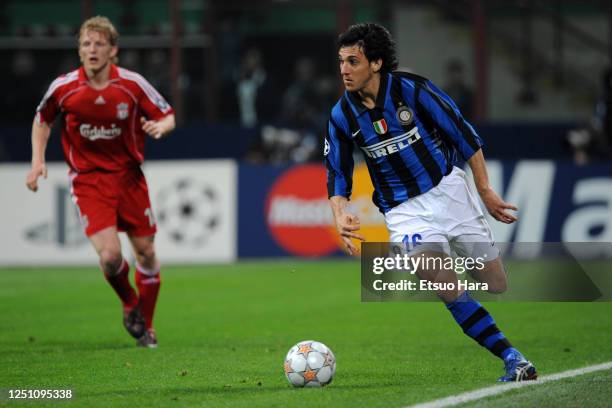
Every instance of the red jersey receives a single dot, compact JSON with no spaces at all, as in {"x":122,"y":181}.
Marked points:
{"x":101,"y":129}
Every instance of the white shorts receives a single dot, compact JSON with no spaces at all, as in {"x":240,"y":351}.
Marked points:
{"x":447,"y":216}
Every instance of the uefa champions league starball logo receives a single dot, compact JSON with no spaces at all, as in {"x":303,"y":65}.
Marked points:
{"x":189,"y":211}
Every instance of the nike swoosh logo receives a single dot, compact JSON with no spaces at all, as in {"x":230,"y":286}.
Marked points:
{"x":356,"y":133}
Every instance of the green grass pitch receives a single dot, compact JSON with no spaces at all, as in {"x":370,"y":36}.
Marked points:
{"x":224,"y":331}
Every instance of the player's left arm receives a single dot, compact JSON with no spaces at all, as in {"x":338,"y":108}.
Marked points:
{"x":443,"y":111}
{"x":495,"y":205}
{"x":158,"y":116}
{"x":158,"y":128}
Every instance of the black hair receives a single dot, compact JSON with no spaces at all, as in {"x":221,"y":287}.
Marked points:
{"x":375,"y":41}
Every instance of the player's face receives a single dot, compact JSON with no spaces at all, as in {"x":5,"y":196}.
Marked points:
{"x":355,"y":69}
{"x":95,"y":50}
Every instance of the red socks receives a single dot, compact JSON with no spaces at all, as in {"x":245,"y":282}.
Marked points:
{"x":148,"y":287}
{"x":148,"y":283}
{"x":121,"y":285}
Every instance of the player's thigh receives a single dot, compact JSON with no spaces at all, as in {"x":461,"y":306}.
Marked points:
{"x":462,"y":218}
{"x":107,"y":245}
{"x":144,"y":249}
{"x":411,"y":224}
{"x":96,"y":203}
{"x":437,"y":267}
{"x":457,"y":203}
{"x":415,"y":231}
{"x":135,"y":214}
{"x":433,"y":265}
{"x":417,"y":237}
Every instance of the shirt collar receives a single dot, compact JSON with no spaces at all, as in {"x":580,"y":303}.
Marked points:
{"x":113,"y":75}
{"x":380,"y":98}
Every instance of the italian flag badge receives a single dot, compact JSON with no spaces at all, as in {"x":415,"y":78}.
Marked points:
{"x":380,"y":126}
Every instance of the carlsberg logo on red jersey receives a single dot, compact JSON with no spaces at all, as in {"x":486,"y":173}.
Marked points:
{"x":99,"y":132}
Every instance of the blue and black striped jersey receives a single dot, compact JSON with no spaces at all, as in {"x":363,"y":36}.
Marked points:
{"x":409,"y":139}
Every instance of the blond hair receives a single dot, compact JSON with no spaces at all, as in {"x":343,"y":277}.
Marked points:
{"x":102,"y":25}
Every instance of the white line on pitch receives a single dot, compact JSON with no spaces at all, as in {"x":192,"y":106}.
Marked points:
{"x":499,"y":389}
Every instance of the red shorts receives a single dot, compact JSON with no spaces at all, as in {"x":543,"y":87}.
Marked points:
{"x":109,"y":199}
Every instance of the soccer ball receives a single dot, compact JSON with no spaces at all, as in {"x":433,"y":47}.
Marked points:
{"x":310,"y":364}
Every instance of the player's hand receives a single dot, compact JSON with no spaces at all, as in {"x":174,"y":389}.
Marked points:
{"x":497,"y":207}
{"x":152,"y":128}
{"x":347,"y":224}
{"x":37,"y":170}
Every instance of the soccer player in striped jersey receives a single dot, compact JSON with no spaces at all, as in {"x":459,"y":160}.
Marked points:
{"x":410,"y":133}
{"x":106,"y":111}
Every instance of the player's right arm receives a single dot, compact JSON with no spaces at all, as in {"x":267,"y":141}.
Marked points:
{"x":339,"y":162}
{"x":347,"y":223}
{"x":41,"y":129}
{"x":40,"y":136}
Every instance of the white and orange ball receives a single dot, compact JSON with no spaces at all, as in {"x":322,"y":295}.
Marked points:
{"x":310,"y":364}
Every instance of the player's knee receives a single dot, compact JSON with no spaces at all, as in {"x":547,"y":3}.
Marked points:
{"x":110,"y":260}
{"x":145,"y":255}
{"x":494,"y":274}
{"x":498,"y":285}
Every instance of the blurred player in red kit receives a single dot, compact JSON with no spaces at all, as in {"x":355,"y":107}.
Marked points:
{"x":106,"y":111}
